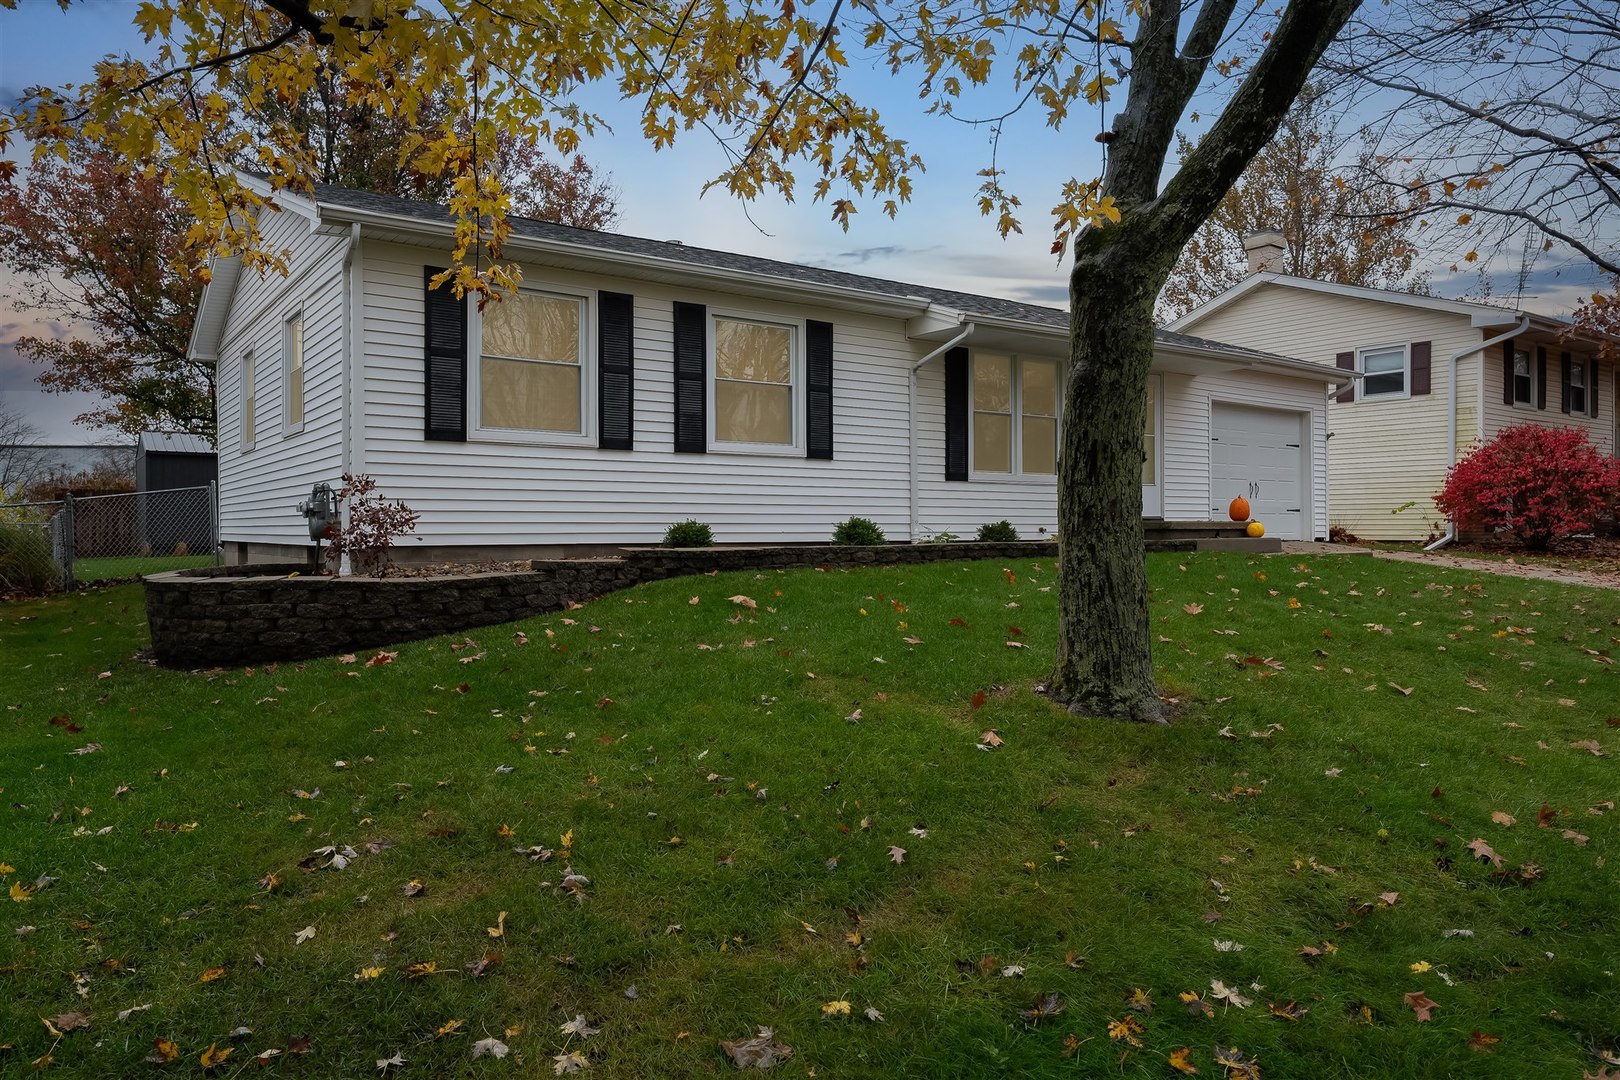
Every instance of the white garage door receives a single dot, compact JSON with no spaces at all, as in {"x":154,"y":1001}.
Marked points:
{"x":1259,"y":454}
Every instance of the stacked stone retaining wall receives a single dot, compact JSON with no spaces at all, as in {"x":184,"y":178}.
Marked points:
{"x":229,"y":616}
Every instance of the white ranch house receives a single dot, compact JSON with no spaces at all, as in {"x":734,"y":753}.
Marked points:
{"x":633,"y":383}
{"x":1434,"y":377}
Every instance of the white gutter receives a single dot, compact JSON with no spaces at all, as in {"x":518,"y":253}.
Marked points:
{"x":911,"y":416}
{"x":1451,"y":411}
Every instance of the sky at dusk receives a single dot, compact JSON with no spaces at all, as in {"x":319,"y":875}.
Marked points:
{"x":938,"y":239}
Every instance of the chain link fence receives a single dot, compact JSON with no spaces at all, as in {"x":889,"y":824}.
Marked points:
{"x":107,"y":537}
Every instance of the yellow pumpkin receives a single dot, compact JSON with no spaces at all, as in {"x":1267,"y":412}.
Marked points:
{"x":1255,"y":529}
{"x":1239,"y":509}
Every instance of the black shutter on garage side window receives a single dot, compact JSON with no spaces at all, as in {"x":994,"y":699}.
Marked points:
{"x":691,"y":377}
{"x":1563,"y":364}
{"x":1593,"y":382}
{"x":1347,"y":361}
{"x":1541,"y":377}
{"x":818,"y":398}
{"x":956,"y":414}
{"x":444,"y":372}
{"x":1507,"y":372}
{"x":1422,"y":352}
{"x":616,"y":374}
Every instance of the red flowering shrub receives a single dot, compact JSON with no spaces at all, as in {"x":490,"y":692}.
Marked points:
{"x":1540,"y":483}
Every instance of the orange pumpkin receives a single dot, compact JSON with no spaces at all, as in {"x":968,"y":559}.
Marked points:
{"x":1255,"y":529}
{"x":1239,"y":509}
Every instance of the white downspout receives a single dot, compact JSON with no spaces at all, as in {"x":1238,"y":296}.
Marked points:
{"x":911,"y":417}
{"x":352,"y":384}
{"x":1451,"y":411}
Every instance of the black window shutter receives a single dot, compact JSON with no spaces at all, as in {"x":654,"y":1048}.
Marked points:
{"x":956,"y":414}
{"x":616,"y":370}
{"x":818,"y":398}
{"x":1541,"y":377}
{"x":1421,"y":365}
{"x":1563,"y":380}
{"x":691,"y":378}
{"x":1507,"y":372}
{"x":1347,"y":361}
{"x":1593,"y":382}
{"x":444,"y":372}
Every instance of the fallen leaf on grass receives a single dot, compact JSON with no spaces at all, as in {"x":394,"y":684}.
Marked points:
{"x":989,"y":740}
{"x":125,"y":1014}
{"x":1178,"y":1061}
{"x":366,"y":973}
{"x":1505,"y":820}
{"x":1221,"y":992}
{"x":1390,"y":898}
{"x":1140,"y":1000}
{"x":1291,"y":1011}
{"x":1479,"y":1040}
{"x":1192,"y":609}
{"x":1196,"y":1006}
{"x":579,"y":1026}
{"x":421,"y":969}
{"x":873,"y":1015}
{"x":1589,"y":745}
{"x":499,"y":929}
{"x":413,"y":888}
{"x":66,"y":1022}
{"x":835,"y":1009}
{"x":303,"y":935}
{"x":744,"y":602}
{"x":211,"y":974}
{"x":1483,"y":851}
{"x":1047,"y":1005}
{"x":491,"y":1046}
{"x":1421,"y":1005}
{"x":395,"y":1062}
{"x":1239,"y":1066}
{"x":1125,"y":1030}
{"x":164,"y":1051}
{"x":897,"y":855}
{"x":212,"y":1058}
{"x":1545,"y":816}
{"x":381,"y":658}
{"x":760,"y":1052}
{"x":1579,"y":840}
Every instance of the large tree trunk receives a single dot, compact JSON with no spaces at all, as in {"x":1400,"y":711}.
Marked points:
{"x":1104,"y":660}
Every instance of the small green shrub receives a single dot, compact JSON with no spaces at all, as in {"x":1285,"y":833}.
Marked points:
{"x":857,"y":530}
{"x":1000,"y":532}
{"x":26,"y":565}
{"x":686,"y":534}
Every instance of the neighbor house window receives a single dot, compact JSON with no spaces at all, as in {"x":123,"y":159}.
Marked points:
{"x":530,"y":372}
{"x":1577,"y":387}
{"x":754,"y":365}
{"x":1015,"y":410}
{"x":249,"y":400}
{"x":1523,"y":382}
{"x":1386,"y":371}
{"x":292,"y":373}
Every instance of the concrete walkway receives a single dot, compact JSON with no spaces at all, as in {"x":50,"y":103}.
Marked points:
{"x":1584,"y":578}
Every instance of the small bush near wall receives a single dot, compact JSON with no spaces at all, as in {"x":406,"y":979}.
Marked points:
{"x":688,"y":534}
{"x":1000,"y":531}
{"x":1540,"y":483}
{"x":857,"y":530}
{"x":26,"y":565}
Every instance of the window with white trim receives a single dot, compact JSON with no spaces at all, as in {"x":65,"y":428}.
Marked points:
{"x":1578,"y":398}
{"x":1524,"y":383}
{"x":249,"y":402}
{"x":756,"y":384}
{"x":1015,"y":415}
{"x":532,"y":377}
{"x":1388,"y":371}
{"x":292,"y":373}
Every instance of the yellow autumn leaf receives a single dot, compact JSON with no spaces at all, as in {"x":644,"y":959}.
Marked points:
{"x":1179,"y":1062}
{"x":6,"y":868}
{"x":367,"y":973}
{"x":212,"y":1058}
{"x":1422,"y":966}
{"x":211,"y":974}
{"x":450,"y":1027}
{"x":1125,"y":1030}
{"x":164,"y":1051}
{"x":21,"y":893}
{"x":835,"y":1008}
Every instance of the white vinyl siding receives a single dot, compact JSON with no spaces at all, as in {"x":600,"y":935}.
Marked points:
{"x":259,"y":489}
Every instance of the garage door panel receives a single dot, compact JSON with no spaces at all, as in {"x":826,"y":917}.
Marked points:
{"x":1258,"y":454}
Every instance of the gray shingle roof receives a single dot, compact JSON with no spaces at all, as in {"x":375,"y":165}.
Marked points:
{"x":969,"y":304}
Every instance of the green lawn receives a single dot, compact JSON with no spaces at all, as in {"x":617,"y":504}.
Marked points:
{"x":734,"y":782}
{"x":119,"y":567}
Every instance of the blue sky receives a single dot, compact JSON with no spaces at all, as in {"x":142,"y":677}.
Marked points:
{"x":938,"y":239}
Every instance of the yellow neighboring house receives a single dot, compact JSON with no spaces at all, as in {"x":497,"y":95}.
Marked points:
{"x":1434,"y":377}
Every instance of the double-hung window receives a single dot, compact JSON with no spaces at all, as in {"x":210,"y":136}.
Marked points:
{"x":1577,"y":387}
{"x":1524,"y":383}
{"x":531,"y":368}
{"x":1015,"y":411}
{"x":292,"y":374}
{"x":755,"y":383}
{"x":249,"y":402}
{"x":1387,"y":370}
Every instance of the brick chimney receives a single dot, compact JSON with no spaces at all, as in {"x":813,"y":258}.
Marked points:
{"x":1265,"y":249}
